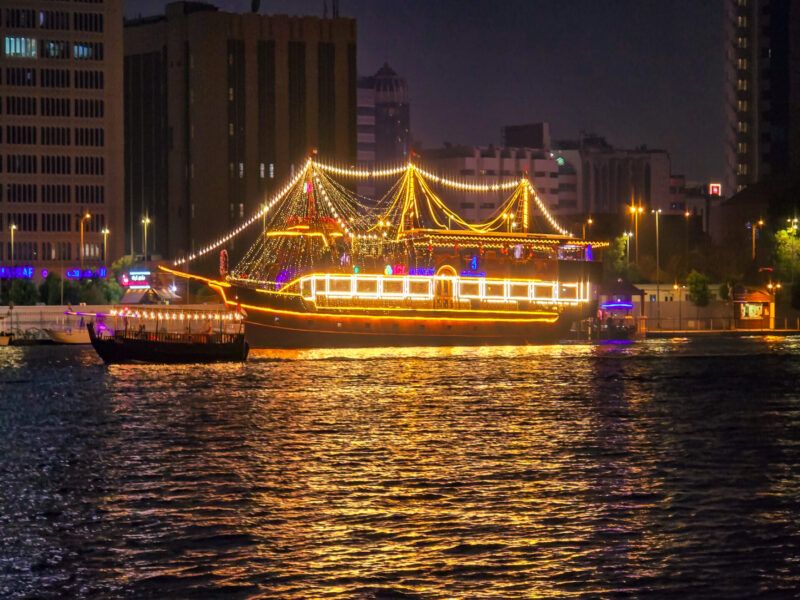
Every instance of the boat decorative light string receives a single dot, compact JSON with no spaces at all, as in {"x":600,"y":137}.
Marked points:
{"x":312,"y":195}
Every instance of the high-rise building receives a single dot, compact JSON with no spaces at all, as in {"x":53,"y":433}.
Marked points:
{"x":61,"y":128}
{"x":221,"y":109}
{"x":384,"y":123}
{"x":763,"y":91}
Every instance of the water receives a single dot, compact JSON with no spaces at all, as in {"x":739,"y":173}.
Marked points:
{"x":667,"y":468}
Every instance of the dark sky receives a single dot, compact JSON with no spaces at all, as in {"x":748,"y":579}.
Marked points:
{"x":636,"y":71}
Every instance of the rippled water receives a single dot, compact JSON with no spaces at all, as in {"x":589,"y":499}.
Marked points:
{"x":667,"y":467}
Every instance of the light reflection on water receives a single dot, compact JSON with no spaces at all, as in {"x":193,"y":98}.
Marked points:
{"x":559,"y":471}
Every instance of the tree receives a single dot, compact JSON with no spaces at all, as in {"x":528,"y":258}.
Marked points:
{"x":50,"y":289}
{"x":725,"y":291}
{"x":787,"y":253}
{"x":697,"y":284}
{"x":794,"y":297}
{"x":614,"y":259}
{"x":23,"y":293}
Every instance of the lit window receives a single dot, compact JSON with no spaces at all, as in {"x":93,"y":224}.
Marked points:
{"x":87,"y":50}
{"x":741,"y":63}
{"x":241,"y":170}
{"x":20,"y":47}
{"x":241,"y":211}
{"x":261,"y":170}
{"x":741,"y":147}
{"x":53,"y":49}
{"x":742,"y":126}
{"x":741,"y":85}
{"x":741,"y":21}
{"x":230,"y":128}
{"x":741,"y":105}
{"x":742,"y":42}
{"x":272,"y":170}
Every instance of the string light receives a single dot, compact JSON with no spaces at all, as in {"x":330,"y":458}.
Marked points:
{"x":361,"y":173}
{"x":264,"y":210}
{"x":469,"y":187}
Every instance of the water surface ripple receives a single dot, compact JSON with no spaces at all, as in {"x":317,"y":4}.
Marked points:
{"x":667,"y":468}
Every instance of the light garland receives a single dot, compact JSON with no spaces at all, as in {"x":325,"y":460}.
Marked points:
{"x":232,"y":234}
{"x":361,"y":173}
{"x":550,"y":219}
{"x":467,"y":187}
{"x":411,"y":173}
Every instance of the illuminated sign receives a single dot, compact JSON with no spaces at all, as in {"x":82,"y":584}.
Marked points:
{"x":16,"y":272}
{"x":715,"y":189}
{"x":85,"y":274}
{"x":27,"y":272}
{"x":136,"y":280}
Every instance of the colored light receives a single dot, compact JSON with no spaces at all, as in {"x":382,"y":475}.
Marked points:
{"x":616,"y":305}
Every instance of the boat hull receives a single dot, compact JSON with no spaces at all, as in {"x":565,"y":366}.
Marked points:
{"x":124,"y":350}
{"x":72,"y":336}
{"x":279,"y":323}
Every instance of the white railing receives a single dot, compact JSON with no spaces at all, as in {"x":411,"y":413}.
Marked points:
{"x":415,"y":288}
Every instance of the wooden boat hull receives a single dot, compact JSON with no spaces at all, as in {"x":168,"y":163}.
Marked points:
{"x":5,"y":340}
{"x":116,"y":350}
{"x":279,"y":323}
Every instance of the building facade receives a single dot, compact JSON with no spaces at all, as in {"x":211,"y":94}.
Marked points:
{"x":384,"y":124}
{"x":221,"y":109}
{"x":62,"y":136}
{"x":574,"y":179}
{"x":762,"y":91}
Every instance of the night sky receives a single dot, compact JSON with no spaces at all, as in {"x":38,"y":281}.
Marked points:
{"x":636,"y":71}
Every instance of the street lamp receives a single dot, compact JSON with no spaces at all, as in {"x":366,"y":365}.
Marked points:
{"x":145,"y":223}
{"x":105,"y":233}
{"x":753,"y":228}
{"x":635,"y":212}
{"x":587,"y":222}
{"x":628,"y":235}
{"x":686,"y":215}
{"x":679,"y":289}
{"x":657,"y":213}
{"x":84,"y":218}
{"x":13,"y":228}
{"x":793,"y":227}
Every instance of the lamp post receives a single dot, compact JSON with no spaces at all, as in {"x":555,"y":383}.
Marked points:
{"x":13,"y":228}
{"x":635,"y":212}
{"x":84,"y":218}
{"x":105,"y":233}
{"x":793,"y":227}
{"x":657,"y":213}
{"x":679,"y":289}
{"x":585,"y":223}
{"x":759,"y":223}
{"x":145,"y":223}
{"x":686,"y":216}
{"x":628,"y":235}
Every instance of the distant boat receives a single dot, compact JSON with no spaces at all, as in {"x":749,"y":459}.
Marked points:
{"x":5,"y":339}
{"x":139,"y":345}
{"x":70,"y":334}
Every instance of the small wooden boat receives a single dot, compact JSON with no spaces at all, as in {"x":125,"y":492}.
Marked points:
{"x":163,"y":347}
{"x":5,"y":339}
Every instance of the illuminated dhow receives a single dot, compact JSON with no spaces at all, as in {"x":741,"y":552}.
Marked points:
{"x":333,"y":269}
